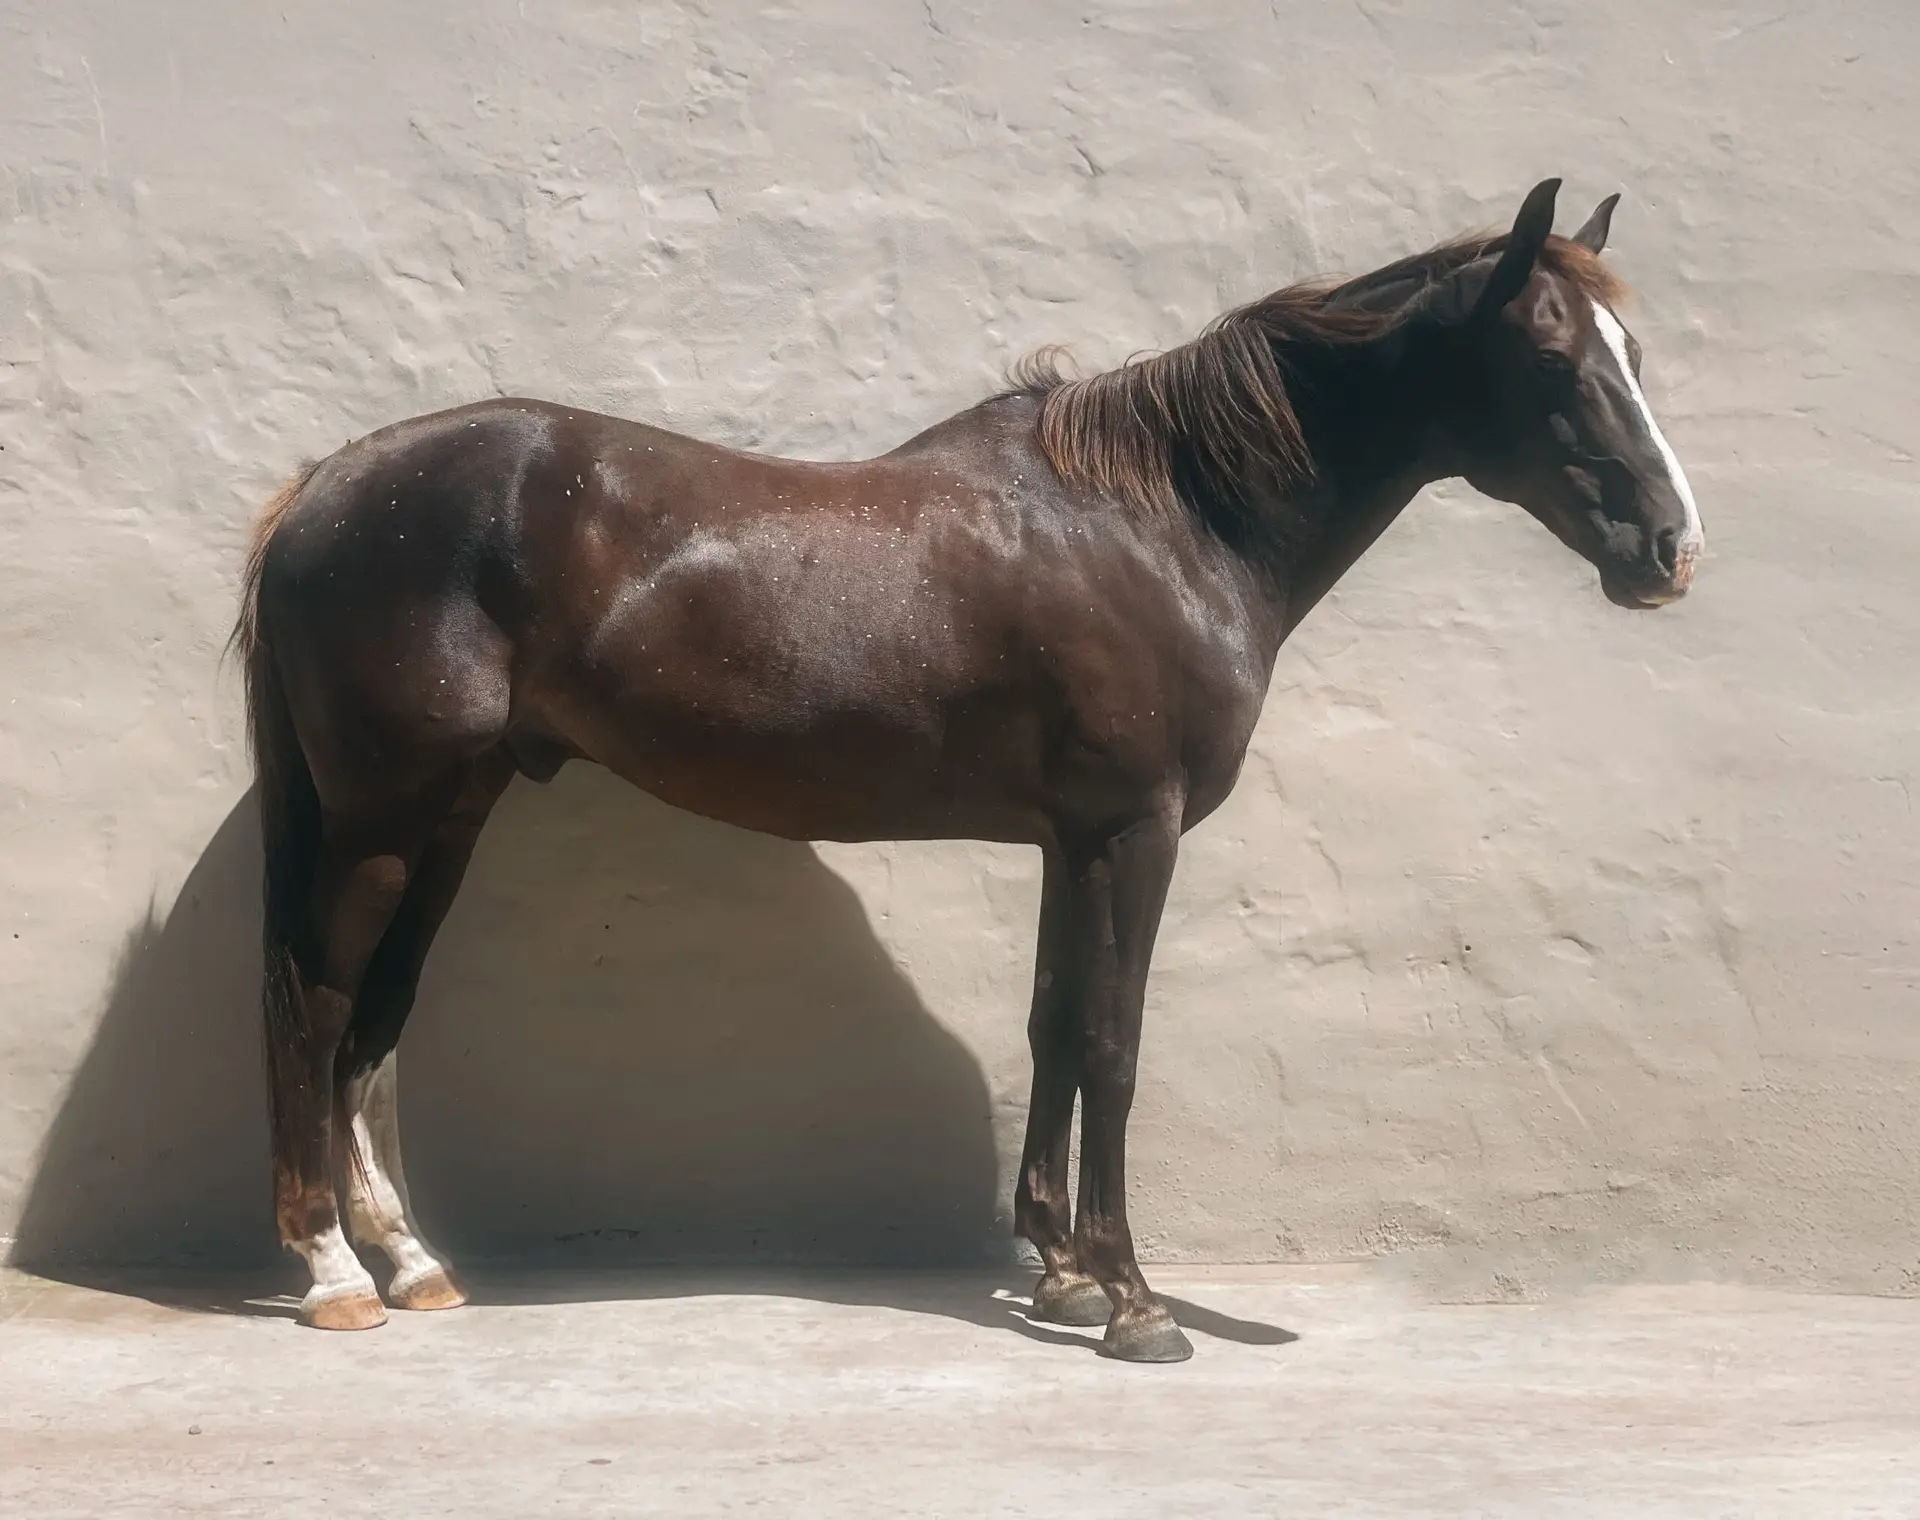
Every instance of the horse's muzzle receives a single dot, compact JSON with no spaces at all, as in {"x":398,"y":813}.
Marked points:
{"x":1660,"y":582}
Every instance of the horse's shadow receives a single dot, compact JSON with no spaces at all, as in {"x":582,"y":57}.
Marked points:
{"x":641,"y":1037}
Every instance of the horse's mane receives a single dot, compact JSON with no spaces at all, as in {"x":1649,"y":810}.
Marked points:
{"x":1214,"y":412}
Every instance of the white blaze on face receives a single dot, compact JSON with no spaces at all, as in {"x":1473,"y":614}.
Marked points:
{"x":1694,"y":539}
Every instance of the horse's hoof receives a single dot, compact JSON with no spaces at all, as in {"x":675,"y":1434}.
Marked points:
{"x":1145,"y":1335}
{"x":1071,"y":1301}
{"x":431,"y":1289}
{"x":354,"y":1309}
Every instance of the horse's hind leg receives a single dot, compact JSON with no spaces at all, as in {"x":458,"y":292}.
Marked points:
{"x":377,"y":1206}
{"x":359,"y":884}
{"x":1043,"y":1206}
{"x":366,"y":1066}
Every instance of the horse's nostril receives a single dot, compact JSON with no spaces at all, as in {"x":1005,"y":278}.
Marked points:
{"x":1666,"y":549}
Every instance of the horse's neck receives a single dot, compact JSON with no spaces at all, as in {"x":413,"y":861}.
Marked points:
{"x":1357,"y":518}
{"x":1376,"y":454}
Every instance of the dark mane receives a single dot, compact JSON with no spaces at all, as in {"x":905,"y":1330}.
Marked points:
{"x":1212,"y":413}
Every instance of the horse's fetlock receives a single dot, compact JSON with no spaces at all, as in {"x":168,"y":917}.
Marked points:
{"x":302,"y":1208}
{"x":1042,"y":1221}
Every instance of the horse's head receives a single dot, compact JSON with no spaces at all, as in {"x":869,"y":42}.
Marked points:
{"x":1546,"y":409}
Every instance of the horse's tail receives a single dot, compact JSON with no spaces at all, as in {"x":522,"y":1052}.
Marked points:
{"x":290,"y":833}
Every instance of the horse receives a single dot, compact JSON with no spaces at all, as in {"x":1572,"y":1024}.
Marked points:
{"x":1050,"y":619}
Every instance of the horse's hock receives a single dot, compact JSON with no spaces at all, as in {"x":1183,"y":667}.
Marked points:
{"x":1538,"y":943}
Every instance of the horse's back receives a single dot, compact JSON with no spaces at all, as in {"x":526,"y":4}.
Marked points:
{"x":816,"y":650}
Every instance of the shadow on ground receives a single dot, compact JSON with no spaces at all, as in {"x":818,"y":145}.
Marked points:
{"x":996,"y":1298}
{"x":642,"y":1037}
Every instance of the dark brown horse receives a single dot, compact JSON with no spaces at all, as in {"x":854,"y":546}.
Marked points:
{"x":1050,"y":620}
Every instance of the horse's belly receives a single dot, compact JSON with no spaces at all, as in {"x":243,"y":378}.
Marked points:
{"x":853,"y":757}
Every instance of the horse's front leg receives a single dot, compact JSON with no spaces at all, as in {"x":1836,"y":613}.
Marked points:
{"x":1043,"y":1202}
{"x":1117,"y":890}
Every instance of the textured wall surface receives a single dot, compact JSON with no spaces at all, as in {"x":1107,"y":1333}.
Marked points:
{"x":1540,"y":942}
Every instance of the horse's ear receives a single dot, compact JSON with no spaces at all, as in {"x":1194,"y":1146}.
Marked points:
{"x":1593,"y":236}
{"x":1476,"y":293}
{"x":1530,"y":230}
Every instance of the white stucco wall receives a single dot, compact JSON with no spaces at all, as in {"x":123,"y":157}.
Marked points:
{"x":1540,"y":940}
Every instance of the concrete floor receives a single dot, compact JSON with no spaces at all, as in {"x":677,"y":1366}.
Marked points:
{"x":1312,"y":1393}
